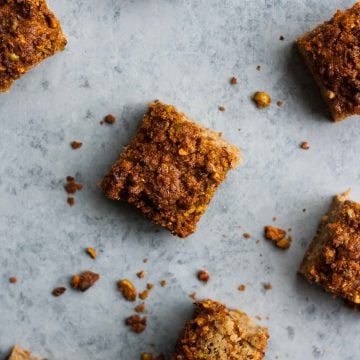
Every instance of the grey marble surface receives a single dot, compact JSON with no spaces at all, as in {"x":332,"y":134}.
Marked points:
{"x":122,"y":54}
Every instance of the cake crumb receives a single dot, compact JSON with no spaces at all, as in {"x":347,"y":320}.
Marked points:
{"x":221,"y":108}
{"x":91,"y":252}
{"x":278,"y":236}
{"x":242,"y":287}
{"x":70,"y":200}
{"x":72,"y":186}
{"x":144,"y":294}
{"x":145,"y":260}
{"x":192,"y":295}
{"x":267,"y":286}
{"x":109,"y":119}
{"x":58,"y":291}
{"x":140,"y":308}
{"x":305,"y":145}
{"x":127,"y":288}
{"x":261,"y":99}
{"x":247,"y":235}
{"x":141,"y":274}
{"x":136,"y":323}
{"x":149,"y":286}
{"x":203,"y":276}
{"x":274,"y":218}
{"x":279,"y":103}
{"x":85,"y":280}
{"x":233,"y":80}
{"x":76,"y":144}
{"x":258,"y":67}
{"x":146,"y":356}
{"x":163,"y":283}
{"x":12,"y":280}
{"x":281,"y":38}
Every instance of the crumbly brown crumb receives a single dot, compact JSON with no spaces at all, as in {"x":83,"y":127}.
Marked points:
{"x":267,"y":286}
{"x":136,"y":323}
{"x":76,"y":144}
{"x":145,"y":260}
{"x":171,"y":169}
{"x":274,"y":233}
{"x":281,"y":38}
{"x":258,"y":67}
{"x":144,"y":294}
{"x":279,"y":103}
{"x":110,"y":119}
{"x":192,"y":295}
{"x":233,"y":80}
{"x":127,"y":288}
{"x":150,"y":286}
{"x":85,"y":280}
{"x":72,"y":186}
{"x":203,"y":276}
{"x":261,"y":99}
{"x":58,"y":291}
{"x":221,"y":108}
{"x":278,"y":236}
{"x":247,"y":235}
{"x":274,"y":218}
{"x":305,"y":145}
{"x":140,"y":308}
{"x":71,"y":201}
{"x":141,"y":274}
{"x":163,"y":283}
{"x":12,"y":280}
{"x":242,"y":287}
{"x":91,"y":252}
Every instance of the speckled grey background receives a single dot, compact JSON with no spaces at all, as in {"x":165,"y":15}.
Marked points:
{"x":122,"y":54}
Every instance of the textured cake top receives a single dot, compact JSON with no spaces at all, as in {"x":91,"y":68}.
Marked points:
{"x":217,"y":333}
{"x":333,"y":259}
{"x":333,"y":53}
{"x":171,"y":169}
{"x":29,"y":33}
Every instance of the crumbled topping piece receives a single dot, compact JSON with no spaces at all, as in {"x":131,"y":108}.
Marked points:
{"x":163,"y":283}
{"x":12,"y":280}
{"x":58,"y":291}
{"x":305,"y":145}
{"x":72,"y":186}
{"x":233,"y":80}
{"x":85,"y":280}
{"x":267,"y":286}
{"x":127,"y":288}
{"x":91,"y":252}
{"x":71,"y":201}
{"x":261,"y":99}
{"x":242,"y":287}
{"x":203,"y":276}
{"x":278,"y":236}
{"x":110,"y":119}
{"x":141,"y":274}
{"x":140,"y":308}
{"x":76,"y":144}
{"x":144,"y":294}
{"x":136,"y":323}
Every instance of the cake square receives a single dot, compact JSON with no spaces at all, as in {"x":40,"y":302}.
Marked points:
{"x":218,"y":333}
{"x":171,"y":169}
{"x":29,"y":33}
{"x":333,"y":257}
{"x":332,"y":53}
{"x":19,"y":354}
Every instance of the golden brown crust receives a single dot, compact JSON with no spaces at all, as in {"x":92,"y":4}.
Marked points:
{"x":217,"y":333}
{"x":29,"y":33}
{"x":171,"y":169}
{"x":333,"y":257}
{"x":332,"y":53}
{"x":19,"y":354}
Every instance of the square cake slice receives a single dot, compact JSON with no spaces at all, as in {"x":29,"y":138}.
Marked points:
{"x":333,"y":258}
{"x":218,"y":333}
{"x":29,"y":33}
{"x":171,"y":169}
{"x":19,"y":354}
{"x":332,"y":53}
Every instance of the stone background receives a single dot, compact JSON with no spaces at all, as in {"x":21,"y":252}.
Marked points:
{"x":121,"y":55}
